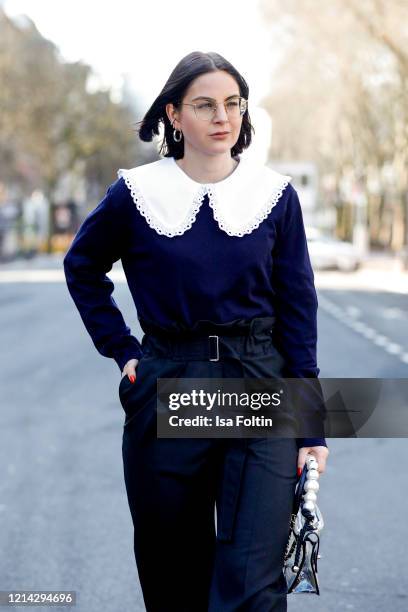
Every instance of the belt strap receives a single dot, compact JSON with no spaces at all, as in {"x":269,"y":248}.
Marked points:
{"x":211,"y":347}
{"x":207,"y":340}
{"x":201,"y":329}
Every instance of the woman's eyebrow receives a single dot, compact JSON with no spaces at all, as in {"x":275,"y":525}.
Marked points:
{"x":212,"y":99}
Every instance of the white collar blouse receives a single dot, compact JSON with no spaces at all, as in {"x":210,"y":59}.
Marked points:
{"x":224,"y":251}
{"x":170,"y":200}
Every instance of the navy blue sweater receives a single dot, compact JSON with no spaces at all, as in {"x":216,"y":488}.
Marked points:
{"x":201,"y":274}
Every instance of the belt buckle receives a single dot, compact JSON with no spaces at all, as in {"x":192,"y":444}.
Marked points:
{"x":217,"y":349}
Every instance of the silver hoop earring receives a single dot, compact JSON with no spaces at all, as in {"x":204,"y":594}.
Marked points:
{"x":174,"y":135}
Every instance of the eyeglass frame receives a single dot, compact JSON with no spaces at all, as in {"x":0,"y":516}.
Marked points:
{"x":216,"y":107}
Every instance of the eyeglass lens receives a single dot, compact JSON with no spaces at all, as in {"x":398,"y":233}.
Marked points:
{"x":205,"y":110}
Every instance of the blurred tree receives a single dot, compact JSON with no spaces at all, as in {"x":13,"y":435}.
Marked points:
{"x":51,"y":124}
{"x":341,"y":88}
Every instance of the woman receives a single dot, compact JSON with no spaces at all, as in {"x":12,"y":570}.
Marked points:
{"x":215,"y":255}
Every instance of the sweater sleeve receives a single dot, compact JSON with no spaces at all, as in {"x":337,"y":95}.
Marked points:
{"x":295,"y":302}
{"x":96,"y":246}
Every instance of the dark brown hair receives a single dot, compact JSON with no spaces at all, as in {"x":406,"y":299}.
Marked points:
{"x":190,"y":67}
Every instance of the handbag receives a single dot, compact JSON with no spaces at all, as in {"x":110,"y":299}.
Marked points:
{"x":306,"y":523}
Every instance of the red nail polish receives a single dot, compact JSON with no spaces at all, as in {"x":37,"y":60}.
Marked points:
{"x":132,"y":378}
{"x":299,"y":471}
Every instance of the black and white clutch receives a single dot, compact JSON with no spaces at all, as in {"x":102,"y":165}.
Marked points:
{"x":302,"y":551}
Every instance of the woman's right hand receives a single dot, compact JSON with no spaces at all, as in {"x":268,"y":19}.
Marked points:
{"x":130,"y":369}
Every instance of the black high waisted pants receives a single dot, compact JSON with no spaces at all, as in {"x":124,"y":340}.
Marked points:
{"x":173,"y":485}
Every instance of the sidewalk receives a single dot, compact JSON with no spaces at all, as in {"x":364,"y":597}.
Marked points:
{"x":379,"y":272}
{"x":42,"y":261}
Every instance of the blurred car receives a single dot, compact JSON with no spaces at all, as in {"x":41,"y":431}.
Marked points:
{"x":328,"y":252}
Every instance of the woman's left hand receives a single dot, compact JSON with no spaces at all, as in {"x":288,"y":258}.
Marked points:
{"x":319,"y":452}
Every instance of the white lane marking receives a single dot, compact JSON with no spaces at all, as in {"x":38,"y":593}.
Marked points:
{"x":358,"y":326}
{"x":393,"y":348}
{"x":381,"y":340}
{"x":369,"y":333}
{"x":353,"y":311}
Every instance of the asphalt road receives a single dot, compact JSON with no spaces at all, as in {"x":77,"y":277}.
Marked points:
{"x":64,"y":519}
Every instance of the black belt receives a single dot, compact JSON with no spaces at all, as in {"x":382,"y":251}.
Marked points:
{"x":205,"y":340}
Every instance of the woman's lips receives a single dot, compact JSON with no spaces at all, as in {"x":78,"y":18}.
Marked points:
{"x":219,"y":135}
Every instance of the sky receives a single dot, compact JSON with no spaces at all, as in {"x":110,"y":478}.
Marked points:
{"x":144,"y":40}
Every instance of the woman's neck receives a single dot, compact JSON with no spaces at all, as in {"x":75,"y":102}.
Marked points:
{"x":207,"y":169}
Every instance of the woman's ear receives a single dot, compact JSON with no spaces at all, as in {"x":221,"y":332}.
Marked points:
{"x":172,"y":114}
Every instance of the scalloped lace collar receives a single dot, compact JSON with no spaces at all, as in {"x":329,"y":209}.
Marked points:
{"x":170,"y":200}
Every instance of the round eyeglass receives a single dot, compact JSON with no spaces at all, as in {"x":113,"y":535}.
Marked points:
{"x":206,"y":110}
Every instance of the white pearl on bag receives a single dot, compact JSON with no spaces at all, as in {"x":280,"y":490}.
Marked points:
{"x":310,"y":496}
{"x":311,"y":485}
{"x":312,"y":474}
{"x":309,"y":505}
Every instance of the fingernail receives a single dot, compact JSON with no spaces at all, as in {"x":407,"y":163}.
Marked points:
{"x":299,"y":471}
{"x":132,"y":378}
